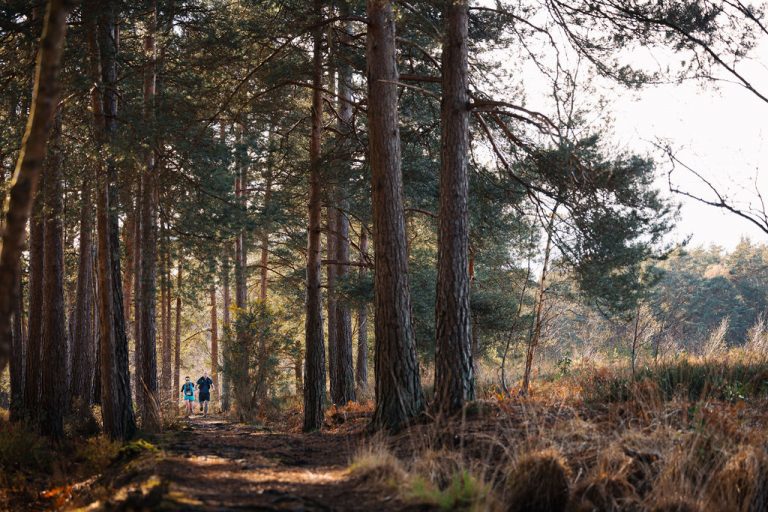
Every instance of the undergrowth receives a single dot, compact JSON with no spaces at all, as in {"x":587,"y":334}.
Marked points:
{"x":685,"y":435}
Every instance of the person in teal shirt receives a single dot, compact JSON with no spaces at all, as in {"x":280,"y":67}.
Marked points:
{"x":188,"y":392}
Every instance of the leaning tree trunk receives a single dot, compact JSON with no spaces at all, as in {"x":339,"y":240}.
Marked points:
{"x":345,"y":379}
{"x":314,"y":364}
{"x":54,"y":334}
{"x":361,"y":374}
{"x":538,"y":320}
{"x":116,"y":407}
{"x":84,"y":346}
{"x":398,"y":385}
{"x":454,"y":379}
{"x":32,"y":370}
{"x":30,"y":162}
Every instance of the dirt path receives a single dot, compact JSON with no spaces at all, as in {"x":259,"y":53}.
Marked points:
{"x":213,"y":464}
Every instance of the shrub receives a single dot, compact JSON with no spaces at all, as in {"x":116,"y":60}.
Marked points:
{"x":21,"y":448}
{"x":539,"y":482}
{"x":254,"y":348}
{"x":97,"y":452}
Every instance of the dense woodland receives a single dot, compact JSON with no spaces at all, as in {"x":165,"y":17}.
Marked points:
{"x":412,"y":206}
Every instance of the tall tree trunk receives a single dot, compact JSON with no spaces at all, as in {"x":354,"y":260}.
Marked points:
{"x":177,"y":338}
{"x":241,"y":369}
{"x":84,"y":346}
{"x":314,"y":365}
{"x":454,"y":378}
{"x":226,"y":325}
{"x":33,"y":368}
{"x":148,"y":404}
{"x":330,"y":269}
{"x":214,"y":343}
{"x":30,"y":162}
{"x":399,"y":395}
{"x":167,"y":372}
{"x":137,"y":295}
{"x":264,"y":261}
{"x":344,"y":360}
{"x":116,"y":407}
{"x":361,"y":375}
{"x":538,"y":320}
{"x":54,"y":333}
{"x":16,"y":409}
{"x":129,"y":242}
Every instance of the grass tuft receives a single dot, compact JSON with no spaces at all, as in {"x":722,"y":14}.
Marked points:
{"x":538,"y":482}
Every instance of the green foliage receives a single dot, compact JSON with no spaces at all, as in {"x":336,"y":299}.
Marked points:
{"x":729,"y":380}
{"x":255,"y":347}
{"x":136,"y":448}
{"x":463,"y":492}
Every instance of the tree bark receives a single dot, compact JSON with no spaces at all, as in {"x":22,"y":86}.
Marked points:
{"x":167,"y":372}
{"x":116,"y":407}
{"x":226,"y":324}
{"x":399,"y":396}
{"x":361,"y":375}
{"x":177,"y":338}
{"x":330,"y":271}
{"x":54,"y":332}
{"x":30,"y":162}
{"x":345,"y":380}
{"x":454,"y":379}
{"x":16,"y":409}
{"x":148,"y":403}
{"x":214,"y":343}
{"x":32,"y":370}
{"x":264,"y":260}
{"x":84,"y":345}
{"x":314,"y":365}
{"x":137,"y":295}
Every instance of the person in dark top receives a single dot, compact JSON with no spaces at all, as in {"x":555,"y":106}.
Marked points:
{"x":204,"y":385}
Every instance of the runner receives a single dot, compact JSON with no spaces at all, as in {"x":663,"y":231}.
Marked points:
{"x":188,"y":390}
{"x":204,"y":385}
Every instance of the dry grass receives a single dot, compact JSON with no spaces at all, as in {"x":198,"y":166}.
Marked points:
{"x":679,"y":438}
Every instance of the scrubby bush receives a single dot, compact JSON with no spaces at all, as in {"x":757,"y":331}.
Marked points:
{"x":21,"y":448}
{"x":255,"y":347}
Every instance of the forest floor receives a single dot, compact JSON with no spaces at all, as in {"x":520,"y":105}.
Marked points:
{"x":214,"y":464}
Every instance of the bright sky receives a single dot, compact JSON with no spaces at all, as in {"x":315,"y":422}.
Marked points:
{"x":720,"y":132}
